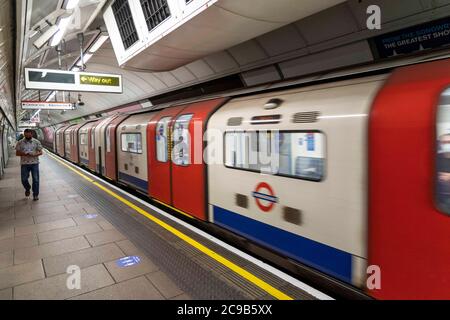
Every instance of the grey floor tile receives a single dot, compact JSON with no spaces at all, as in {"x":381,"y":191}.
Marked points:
{"x":83,"y":258}
{"x":6,"y":259}
{"x":78,"y":206}
{"x":50,"y":249}
{"x":124,"y":273}
{"x":103,"y":237}
{"x":51,"y":217}
{"x":129,"y":248}
{"x":134,"y":289}
{"x":6,"y":232}
{"x":15,"y":275}
{"x":43,"y":198}
{"x":66,"y":233}
{"x":6,"y":294}
{"x":47,"y":205}
{"x":164,"y":284}
{"x":55,"y":288}
{"x":25,"y":241}
{"x":42,"y":227}
{"x":6,"y":204}
{"x":105,"y":225}
{"x":20,"y":222}
{"x":6,"y":215}
{"x":36,"y":212}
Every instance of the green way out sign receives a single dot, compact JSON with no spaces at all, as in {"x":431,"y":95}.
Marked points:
{"x":46,"y":79}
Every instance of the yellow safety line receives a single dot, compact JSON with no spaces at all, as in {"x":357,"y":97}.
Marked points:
{"x":240,"y":271}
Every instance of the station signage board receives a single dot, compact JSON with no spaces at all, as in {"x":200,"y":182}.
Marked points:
{"x":34,"y":105}
{"x":58,"y":80}
{"x":430,"y":35}
{"x":27,"y":124}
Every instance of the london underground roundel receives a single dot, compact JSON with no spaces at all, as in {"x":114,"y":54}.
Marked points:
{"x":265,"y":197}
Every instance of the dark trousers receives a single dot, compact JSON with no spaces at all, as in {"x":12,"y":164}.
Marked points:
{"x":25,"y":174}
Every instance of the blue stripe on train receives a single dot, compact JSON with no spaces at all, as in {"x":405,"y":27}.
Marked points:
{"x":84,"y":161}
{"x":317,"y":255}
{"x":141,"y":184}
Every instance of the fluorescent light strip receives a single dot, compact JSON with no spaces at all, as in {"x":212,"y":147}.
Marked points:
{"x":64,"y":23}
{"x":98,"y":43}
{"x":72,"y":4}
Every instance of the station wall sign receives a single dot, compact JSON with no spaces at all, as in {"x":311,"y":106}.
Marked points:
{"x":58,"y":80}
{"x":34,"y":105}
{"x":26,"y":124}
{"x":430,"y":35}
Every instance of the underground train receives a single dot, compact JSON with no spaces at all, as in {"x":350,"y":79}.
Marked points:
{"x":349,"y":178}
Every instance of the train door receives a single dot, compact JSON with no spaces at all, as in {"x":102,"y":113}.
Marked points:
{"x":159,"y":154}
{"x":91,"y":152}
{"x":188,"y":166}
{"x":111,"y":147}
{"x":100,"y":144}
{"x":60,"y":141}
{"x":103,"y":145}
{"x":409,"y":170}
{"x":68,"y":142}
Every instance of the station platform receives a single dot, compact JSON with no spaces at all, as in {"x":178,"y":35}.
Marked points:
{"x":124,"y":248}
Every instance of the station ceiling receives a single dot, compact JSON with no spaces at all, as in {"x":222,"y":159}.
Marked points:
{"x":334,"y":35}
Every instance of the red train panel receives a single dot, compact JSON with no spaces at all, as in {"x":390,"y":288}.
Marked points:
{"x":189,"y":180}
{"x":178,"y":177}
{"x":408,"y":236}
{"x":159,"y":171}
{"x":60,"y":145}
{"x":74,"y":152}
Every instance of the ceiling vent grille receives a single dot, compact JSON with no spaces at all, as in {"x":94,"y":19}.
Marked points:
{"x":155,"y":12}
{"x":306,"y":117}
{"x":125,"y":23}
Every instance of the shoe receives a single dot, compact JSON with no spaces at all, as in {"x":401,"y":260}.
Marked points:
{"x":27,"y":193}
{"x":35,"y":198}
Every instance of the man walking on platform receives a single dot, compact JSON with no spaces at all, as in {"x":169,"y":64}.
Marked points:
{"x":29,"y":150}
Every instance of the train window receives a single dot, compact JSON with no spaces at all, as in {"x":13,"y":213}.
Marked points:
{"x":132,"y":142}
{"x":162,"y":138}
{"x":108,"y":139}
{"x":301,"y":155}
{"x":181,"y":141}
{"x":246,"y":150}
{"x":443,"y":154}
{"x":296,"y":154}
{"x":83,"y":139}
{"x":92,"y":138}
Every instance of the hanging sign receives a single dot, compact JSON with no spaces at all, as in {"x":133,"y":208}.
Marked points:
{"x":34,"y":105}
{"x":58,"y":80}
